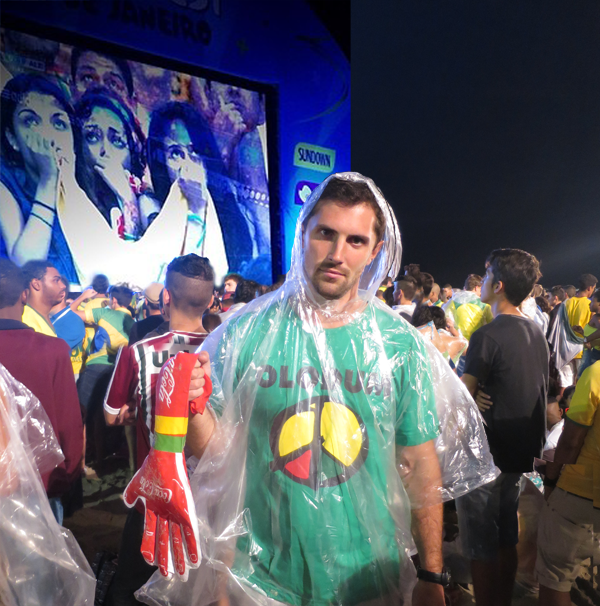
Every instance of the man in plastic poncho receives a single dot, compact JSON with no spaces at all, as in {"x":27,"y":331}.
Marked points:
{"x":320,"y":461}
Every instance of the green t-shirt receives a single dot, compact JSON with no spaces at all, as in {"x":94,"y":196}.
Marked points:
{"x":317,"y":492}
{"x":117,"y":325}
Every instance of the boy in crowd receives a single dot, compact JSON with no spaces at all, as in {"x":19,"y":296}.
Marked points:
{"x":506,"y":370}
{"x":131,"y":396}
{"x":578,"y":310}
{"x":404,"y":293}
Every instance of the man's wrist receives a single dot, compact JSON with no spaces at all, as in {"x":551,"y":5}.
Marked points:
{"x":439,"y":578}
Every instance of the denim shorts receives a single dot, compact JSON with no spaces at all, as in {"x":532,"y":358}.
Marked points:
{"x":487,"y":517}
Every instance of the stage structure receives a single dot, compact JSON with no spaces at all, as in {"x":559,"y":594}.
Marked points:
{"x":133,"y":132}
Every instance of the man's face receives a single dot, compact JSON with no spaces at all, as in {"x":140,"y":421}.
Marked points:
{"x":486,"y":290}
{"x":230,"y":285}
{"x":477,"y":290}
{"x":95,"y":71}
{"x":447,"y":293}
{"x":53,"y":288}
{"x":594,"y":305}
{"x":339,"y":242}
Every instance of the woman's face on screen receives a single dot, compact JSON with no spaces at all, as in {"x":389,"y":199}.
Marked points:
{"x":40,"y":126}
{"x":180,"y":156}
{"x":105,"y":140}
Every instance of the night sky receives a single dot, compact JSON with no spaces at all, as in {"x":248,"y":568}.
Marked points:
{"x":480,"y":122}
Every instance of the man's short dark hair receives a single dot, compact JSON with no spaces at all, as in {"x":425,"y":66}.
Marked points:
{"x":12,"y":283}
{"x":101,"y":284}
{"x":424,"y":314}
{"x":559,"y":292}
{"x":447,"y":286}
{"x":587,"y":280}
{"x":233,"y":276}
{"x":570,"y":290}
{"x":543,"y":304}
{"x":120,"y":63}
{"x":473,"y":281}
{"x":190,"y":281}
{"x":245,"y":291}
{"x":408,"y":285}
{"x":427,"y":283}
{"x":517,"y":270}
{"x":35,"y":270}
{"x":349,"y":194}
{"x":122,"y":294}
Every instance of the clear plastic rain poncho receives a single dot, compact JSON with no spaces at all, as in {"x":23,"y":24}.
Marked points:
{"x":299,"y":496}
{"x":468,"y":312}
{"x":40,"y":562}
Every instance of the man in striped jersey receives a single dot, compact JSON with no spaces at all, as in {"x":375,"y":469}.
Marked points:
{"x":132,"y":397}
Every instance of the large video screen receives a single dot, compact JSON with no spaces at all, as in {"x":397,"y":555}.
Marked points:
{"x":115,"y":166}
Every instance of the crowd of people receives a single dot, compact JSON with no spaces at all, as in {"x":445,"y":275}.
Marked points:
{"x":328,"y":371}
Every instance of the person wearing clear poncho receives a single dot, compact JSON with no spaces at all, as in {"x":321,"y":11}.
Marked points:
{"x":336,"y":432}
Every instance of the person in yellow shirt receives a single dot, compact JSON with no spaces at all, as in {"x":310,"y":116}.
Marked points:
{"x":578,"y":309}
{"x":45,"y":289}
{"x":591,"y":334}
{"x":570,"y":521}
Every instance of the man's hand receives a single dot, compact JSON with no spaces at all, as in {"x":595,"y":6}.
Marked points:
{"x":484,"y":402}
{"x":127,"y":415}
{"x":428,"y":594}
{"x":200,"y":384}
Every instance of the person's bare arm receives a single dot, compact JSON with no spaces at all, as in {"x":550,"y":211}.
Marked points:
{"x":419,"y":469}
{"x":125,"y":416}
{"x":567,"y":451}
{"x":88,"y":293}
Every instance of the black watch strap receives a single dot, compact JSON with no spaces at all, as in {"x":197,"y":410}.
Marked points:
{"x":441,"y":578}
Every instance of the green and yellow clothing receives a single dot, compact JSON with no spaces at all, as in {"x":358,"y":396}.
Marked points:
{"x":117,"y":323}
{"x":588,"y":329}
{"x":579,"y":314}
{"x":583,"y":478}
{"x":317,"y":456}
{"x":468,"y":312}
{"x":33,"y":318}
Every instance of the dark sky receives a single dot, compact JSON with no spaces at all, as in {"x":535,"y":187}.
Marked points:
{"x":480,"y":121}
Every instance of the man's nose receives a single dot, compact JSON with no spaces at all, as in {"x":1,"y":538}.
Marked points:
{"x":336,"y":250}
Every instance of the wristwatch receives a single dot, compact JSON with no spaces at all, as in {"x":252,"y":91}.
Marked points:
{"x":441,"y":578}
{"x":550,"y":483}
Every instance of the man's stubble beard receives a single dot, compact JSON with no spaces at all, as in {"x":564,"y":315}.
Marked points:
{"x":344,"y":288}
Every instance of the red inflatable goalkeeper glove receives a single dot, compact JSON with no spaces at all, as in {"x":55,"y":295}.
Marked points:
{"x":162,"y":483}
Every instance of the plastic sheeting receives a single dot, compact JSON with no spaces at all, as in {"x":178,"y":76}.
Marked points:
{"x":451,"y":347}
{"x":468,"y":312}
{"x":40,"y":562}
{"x":564,"y":343}
{"x":298,"y":495}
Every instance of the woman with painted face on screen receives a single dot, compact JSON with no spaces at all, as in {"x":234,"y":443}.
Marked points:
{"x":38,"y":164}
{"x":110,"y":163}
{"x":184,"y":162}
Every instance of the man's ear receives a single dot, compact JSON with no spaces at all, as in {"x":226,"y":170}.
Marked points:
{"x":167,"y":297}
{"x":499,"y":287}
{"x":24,"y":297}
{"x":35,"y":284}
{"x":376,"y":250}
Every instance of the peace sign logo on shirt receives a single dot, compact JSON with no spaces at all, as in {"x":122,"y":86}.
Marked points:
{"x":318,"y":443}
